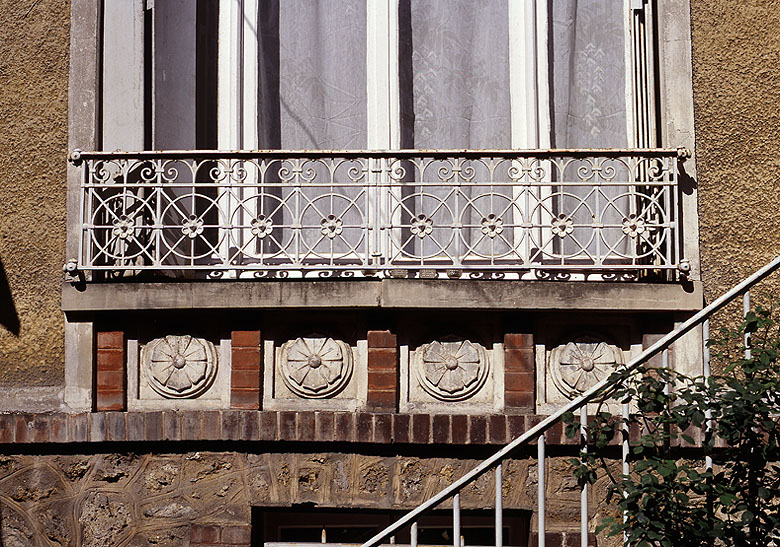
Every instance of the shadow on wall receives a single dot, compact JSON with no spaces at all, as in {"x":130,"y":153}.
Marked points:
{"x":8,"y":316}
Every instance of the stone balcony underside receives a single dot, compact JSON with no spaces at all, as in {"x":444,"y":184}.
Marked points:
{"x":385,"y":293}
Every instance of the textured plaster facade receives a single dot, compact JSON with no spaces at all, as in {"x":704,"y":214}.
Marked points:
{"x":106,"y":499}
{"x":34,"y":42}
{"x":153,"y":497}
{"x":736,"y":60}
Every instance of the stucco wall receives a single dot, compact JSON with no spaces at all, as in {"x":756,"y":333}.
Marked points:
{"x":736,"y":48}
{"x":736,"y":62}
{"x":108,"y":499}
{"x":33,"y":139}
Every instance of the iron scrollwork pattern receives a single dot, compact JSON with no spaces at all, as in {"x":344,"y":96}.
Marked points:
{"x":335,"y":213}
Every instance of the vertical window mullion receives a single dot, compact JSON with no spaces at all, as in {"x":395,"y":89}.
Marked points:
{"x":383,"y":112}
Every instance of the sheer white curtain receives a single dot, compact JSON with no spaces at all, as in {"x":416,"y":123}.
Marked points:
{"x":312,"y":96}
{"x":455,"y":94}
{"x":589,"y":110}
{"x":454,"y":84}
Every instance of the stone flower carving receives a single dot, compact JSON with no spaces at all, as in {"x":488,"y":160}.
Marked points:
{"x":578,"y":365}
{"x":179,"y":366}
{"x":316,"y":367}
{"x":451,"y":371}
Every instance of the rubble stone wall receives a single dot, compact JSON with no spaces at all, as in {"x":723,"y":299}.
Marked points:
{"x":107,"y":499}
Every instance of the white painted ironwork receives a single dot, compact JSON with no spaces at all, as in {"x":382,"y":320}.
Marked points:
{"x":580,"y":403}
{"x":493,"y":213}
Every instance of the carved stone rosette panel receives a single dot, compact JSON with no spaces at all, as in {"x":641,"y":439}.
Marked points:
{"x":451,"y":371}
{"x":315,"y":368}
{"x":578,"y":365}
{"x":179,"y":367}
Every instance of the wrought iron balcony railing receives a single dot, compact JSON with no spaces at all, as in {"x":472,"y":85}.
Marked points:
{"x":478,"y":213}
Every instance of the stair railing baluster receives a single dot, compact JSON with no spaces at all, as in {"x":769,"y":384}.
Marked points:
{"x":456,"y":520}
{"x":540,"y":499}
{"x":584,"y":493}
{"x":499,"y":506}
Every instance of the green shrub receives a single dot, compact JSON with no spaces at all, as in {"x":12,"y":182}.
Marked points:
{"x":670,"y":497}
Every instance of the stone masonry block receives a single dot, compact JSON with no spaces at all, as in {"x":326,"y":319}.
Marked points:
{"x":382,"y":399}
{"x":401,"y":428}
{"x":382,"y":339}
{"x":519,"y":360}
{"x":110,"y":339}
{"x":245,"y":358}
{"x":477,"y":429}
{"x":244,"y":399}
{"x":518,"y":341}
{"x":110,"y":359}
{"x":382,"y":359}
{"x":110,"y":400}
{"x":204,"y":534}
{"x":245,"y":338}
{"x":238,"y":535}
{"x":440,"y":429}
{"x":460,"y":429}
{"x":382,"y":380}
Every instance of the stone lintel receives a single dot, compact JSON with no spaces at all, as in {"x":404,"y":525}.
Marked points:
{"x":386,"y":293}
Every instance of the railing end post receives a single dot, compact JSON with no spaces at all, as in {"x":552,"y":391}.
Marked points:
{"x":75,"y":157}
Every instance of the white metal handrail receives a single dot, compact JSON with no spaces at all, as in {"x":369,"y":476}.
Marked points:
{"x":225,"y":214}
{"x":701,"y":318}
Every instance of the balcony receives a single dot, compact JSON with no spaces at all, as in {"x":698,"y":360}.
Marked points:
{"x":474,"y":214}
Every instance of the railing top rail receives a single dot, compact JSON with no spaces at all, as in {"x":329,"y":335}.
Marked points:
{"x":77,"y":156}
{"x":539,"y":429}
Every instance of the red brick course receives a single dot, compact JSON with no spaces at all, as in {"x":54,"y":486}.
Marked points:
{"x":110,"y":374}
{"x":286,"y":425}
{"x":246,"y":367}
{"x":382,"y":371}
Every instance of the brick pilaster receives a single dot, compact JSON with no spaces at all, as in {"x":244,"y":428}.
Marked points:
{"x":245,"y":370}
{"x":382,"y":371}
{"x":519,"y":380}
{"x":110,"y":367}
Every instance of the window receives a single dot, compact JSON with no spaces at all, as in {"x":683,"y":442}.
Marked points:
{"x":389,"y":75}
{"x":282,"y":527}
{"x":434,"y":74}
